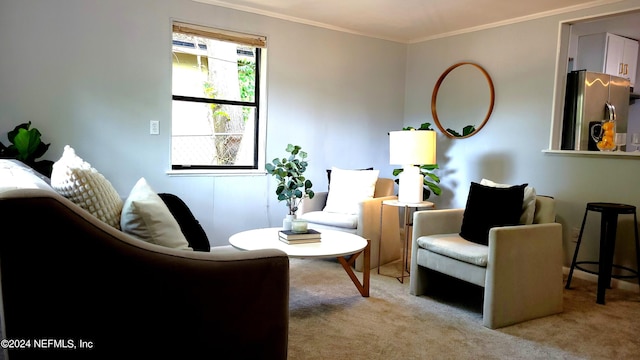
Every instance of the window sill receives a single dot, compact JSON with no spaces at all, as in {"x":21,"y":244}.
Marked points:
{"x":623,"y":154}
{"x":206,"y":172}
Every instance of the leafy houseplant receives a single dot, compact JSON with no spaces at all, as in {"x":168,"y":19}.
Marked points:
{"x":27,"y":146}
{"x":292,"y":185}
{"x":431,"y":180}
{"x":466,"y":131}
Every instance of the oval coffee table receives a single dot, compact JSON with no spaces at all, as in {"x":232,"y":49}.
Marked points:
{"x":333,"y":243}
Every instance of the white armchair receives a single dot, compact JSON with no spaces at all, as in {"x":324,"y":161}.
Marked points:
{"x":520,"y":269}
{"x":365,"y":223}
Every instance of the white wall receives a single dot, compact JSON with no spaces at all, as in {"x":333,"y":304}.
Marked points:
{"x":93,"y":73}
{"x":521,"y":60}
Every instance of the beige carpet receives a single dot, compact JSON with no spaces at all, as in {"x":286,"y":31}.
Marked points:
{"x":330,"y":320}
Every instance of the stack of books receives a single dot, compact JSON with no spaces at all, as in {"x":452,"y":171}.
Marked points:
{"x":290,"y":237}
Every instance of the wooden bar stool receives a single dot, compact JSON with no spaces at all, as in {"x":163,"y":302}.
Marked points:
{"x":608,"y":226}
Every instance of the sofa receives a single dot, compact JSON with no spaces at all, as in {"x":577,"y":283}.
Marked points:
{"x":520,"y":266}
{"x":70,"y":277}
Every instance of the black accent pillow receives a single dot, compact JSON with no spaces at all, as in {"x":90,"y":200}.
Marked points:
{"x":489,"y":207}
{"x":329,"y":176}
{"x":189,"y":225}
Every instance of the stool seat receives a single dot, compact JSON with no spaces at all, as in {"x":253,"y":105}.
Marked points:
{"x":611,"y":207}
{"x":608,"y":227}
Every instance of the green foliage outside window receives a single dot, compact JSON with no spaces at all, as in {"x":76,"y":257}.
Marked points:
{"x":246,"y":75}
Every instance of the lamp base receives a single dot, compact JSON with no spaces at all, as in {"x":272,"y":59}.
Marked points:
{"x":411,"y":185}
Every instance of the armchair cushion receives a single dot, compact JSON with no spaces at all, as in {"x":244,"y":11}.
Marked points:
{"x":349,"y":188}
{"x":528,"y":202}
{"x":345,"y":221}
{"x":455,"y":247}
{"x":489,"y":207}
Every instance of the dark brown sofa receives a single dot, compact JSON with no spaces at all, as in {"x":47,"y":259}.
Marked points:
{"x":67,"y":276}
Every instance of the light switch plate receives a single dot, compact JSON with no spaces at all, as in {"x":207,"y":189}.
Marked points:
{"x":154,"y":127}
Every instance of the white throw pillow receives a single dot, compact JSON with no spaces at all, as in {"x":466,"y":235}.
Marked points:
{"x":14,"y":174}
{"x":79,"y":182}
{"x":528,"y":202}
{"x":349,"y":188}
{"x":146,"y":217}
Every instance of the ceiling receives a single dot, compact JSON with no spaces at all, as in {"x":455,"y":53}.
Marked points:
{"x":407,"y":21}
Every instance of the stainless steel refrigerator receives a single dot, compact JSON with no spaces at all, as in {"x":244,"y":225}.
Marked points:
{"x":590,"y":98}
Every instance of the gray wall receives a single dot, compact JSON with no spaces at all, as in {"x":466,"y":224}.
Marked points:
{"x":92,"y":74}
{"x":521,"y":59}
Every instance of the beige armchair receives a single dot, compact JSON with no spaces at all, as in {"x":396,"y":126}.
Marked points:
{"x":520,"y":269}
{"x":366,"y":223}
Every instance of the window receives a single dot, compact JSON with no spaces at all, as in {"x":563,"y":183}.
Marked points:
{"x":216,"y":86}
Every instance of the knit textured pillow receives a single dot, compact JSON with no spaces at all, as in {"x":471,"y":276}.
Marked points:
{"x":79,"y":182}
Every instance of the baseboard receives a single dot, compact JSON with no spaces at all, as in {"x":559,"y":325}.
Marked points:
{"x":615,"y":283}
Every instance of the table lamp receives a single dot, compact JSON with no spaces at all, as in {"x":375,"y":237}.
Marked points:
{"x":409,"y":148}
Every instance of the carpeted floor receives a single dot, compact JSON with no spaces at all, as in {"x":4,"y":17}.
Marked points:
{"x":330,"y":320}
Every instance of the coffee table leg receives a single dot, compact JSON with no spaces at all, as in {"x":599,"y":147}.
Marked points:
{"x":363,"y":286}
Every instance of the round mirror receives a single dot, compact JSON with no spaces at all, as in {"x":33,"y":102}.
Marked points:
{"x":462,"y":100}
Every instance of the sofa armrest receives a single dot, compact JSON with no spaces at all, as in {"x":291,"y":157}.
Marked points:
{"x":524,"y":273}
{"x":430,"y":222}
{"x":369,"y":227}
{"x":316,"y":204}
{"x":368,"y":209}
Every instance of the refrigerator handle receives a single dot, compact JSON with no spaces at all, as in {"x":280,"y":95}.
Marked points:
{"x":612,"y":111}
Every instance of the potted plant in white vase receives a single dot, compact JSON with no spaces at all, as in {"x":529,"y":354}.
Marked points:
{"x":292,"y":185}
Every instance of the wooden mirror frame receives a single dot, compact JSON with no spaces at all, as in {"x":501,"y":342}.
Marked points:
{"x":434,"y":97}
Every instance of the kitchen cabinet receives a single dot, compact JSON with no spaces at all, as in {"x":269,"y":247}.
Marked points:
{"x":608,"y":53}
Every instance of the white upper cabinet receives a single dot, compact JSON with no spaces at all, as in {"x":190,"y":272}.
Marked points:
{"x":608,"y":53}
{"x":630,"y":60}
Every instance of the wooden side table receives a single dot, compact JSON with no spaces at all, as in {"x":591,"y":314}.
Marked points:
{"x":409,"y":208}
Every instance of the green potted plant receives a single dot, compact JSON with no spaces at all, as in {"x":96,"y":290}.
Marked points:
{"x":292,"y":185}
{"x":27,"y":146}
{"x":466,"y":131}
{"x":431,"y":180}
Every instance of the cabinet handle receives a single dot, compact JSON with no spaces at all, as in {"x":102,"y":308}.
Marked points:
{"x":626,"y":69}
{"x":620,"y":71}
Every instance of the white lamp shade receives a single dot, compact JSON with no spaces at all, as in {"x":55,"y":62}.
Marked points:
{"x":408,"y":148}
{"x":412,"y":147}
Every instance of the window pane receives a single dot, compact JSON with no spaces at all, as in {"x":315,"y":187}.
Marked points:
{"x":215,"y":104}
{"x":213,"y":69}
{"x":212,"y":134}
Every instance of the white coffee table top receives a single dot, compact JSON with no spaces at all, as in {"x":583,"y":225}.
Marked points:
{"x":333,"y":243}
